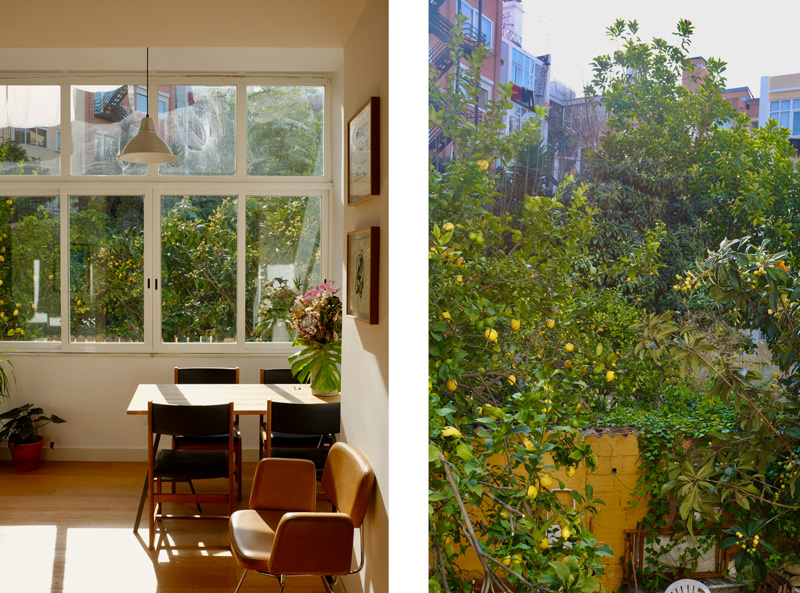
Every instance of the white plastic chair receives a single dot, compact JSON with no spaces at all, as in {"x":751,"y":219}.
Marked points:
{"x":687,"y":586}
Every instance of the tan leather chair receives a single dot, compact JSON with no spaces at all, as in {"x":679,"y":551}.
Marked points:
{"x":281,"y":535}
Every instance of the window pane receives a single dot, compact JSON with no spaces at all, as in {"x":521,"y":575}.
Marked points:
{"x":200,"y":128}
{"x":104,"y":120}
{"x":796,"y":123}
{"x":30,"y":118}
{"x":283,"y":258}
{"x":785,"y":119}
{"x":198,"y":268}
{"x":106,"y":264}
{"x":795,"y":103}
{"x":284,"y":130}
{"x":30,"y":301}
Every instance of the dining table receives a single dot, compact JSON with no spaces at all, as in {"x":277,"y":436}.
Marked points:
{"x":248,"y":398}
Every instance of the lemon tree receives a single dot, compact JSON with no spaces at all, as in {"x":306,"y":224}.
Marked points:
{"x":506,"y":293}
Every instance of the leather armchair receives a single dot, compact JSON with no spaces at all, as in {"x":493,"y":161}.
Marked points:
{"x":281,"y":534}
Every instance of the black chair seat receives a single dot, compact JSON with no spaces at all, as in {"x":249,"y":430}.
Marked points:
{"x":286,"y":439}
{"x":220,"y":440}
{"x":318,"y":456}
{"x":184,"y":465}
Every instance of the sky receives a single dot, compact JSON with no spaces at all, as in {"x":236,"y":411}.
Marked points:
{"x":754,"y":38}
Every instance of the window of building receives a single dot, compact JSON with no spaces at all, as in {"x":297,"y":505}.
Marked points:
{"x":207,"y":252}
{"x":523,"y":69}
{"x":36,"y":137}
{"x":471,"y":24}
{"x":787,"y":113}
{"x":29,"y":115}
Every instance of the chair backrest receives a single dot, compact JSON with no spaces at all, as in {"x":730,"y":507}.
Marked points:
{"x":347,"y":480}
{"x":687,"y":586}
{"x":278,"y":376}
{"x":221,"y":375}
{"x":304,"y":418}
{"x":186,"y":420}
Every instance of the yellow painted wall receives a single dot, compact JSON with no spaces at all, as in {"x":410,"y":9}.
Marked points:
{"x":613,"y":481}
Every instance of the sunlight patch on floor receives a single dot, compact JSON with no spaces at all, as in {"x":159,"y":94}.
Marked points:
{"x":28,"y":553}
{"x":112,"y":556}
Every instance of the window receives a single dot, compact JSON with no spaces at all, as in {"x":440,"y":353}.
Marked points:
{"x":471,"y":25}
{"x":36,"y":137}
{"x":29,"y":116}
{"x":523,"y":69}
{"x":207,"y":252}
{"x":787,"y":113}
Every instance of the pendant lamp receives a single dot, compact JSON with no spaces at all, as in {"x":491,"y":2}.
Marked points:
{"x":147,"y":147}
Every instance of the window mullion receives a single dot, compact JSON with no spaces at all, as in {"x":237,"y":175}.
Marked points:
{"x":64,"y":262}
{"x":152,"y":308}
{"x":241,"y":269}
{"x":241,"y":130}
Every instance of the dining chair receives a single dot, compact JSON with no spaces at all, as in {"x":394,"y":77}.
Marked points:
{"x":210,"y":375}
{"x":174,"y":465}
{"x":279,"y":377}
{"x":314,"y":425}
{"x":281,"y":535}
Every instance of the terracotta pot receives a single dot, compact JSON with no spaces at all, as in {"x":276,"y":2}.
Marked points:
{"x":27,"y":455}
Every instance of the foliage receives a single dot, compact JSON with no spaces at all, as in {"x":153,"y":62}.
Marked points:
{"x":751,"y":471}
{"x":316,"y":317}
{"x":21,"y":425}
{"x":17,"y":161}
{"x":679,"y":158}
{"x":506,"y":291}
{"x":682,"y":415}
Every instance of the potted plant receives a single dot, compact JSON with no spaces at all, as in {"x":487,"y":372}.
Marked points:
{"x":317,"y":318}
{"x":20,"y":427}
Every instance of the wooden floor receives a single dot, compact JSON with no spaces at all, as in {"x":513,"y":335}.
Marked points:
{"x":68,"y":527}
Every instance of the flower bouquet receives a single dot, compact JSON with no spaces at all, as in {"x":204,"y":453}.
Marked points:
{"x":317,"y":318}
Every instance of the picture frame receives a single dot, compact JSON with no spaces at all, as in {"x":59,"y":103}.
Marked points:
{"x":363,"y":252}
{"x":363,"y":153}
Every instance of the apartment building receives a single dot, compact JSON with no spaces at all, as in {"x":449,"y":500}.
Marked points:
{"x":781,"y":96}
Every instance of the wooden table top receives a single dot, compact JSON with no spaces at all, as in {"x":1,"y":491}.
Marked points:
{"x":247,"y":398}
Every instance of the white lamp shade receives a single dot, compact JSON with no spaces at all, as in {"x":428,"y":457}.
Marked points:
{"x":147,"y":147}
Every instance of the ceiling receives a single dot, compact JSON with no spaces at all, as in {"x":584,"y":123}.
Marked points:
{"x":181,"y":23}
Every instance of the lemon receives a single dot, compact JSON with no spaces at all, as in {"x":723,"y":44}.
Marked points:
{"x":446,"y":315}
{"x":551,"y":323}
{"x":570,"y":471}
{"x":546,"y":481}
{"x":610,"y":376}
{"x":532,"y":491}
{"x":528,"y":443}
{"x":451,"y":384}
{"x":491,"y":335}
{"x":448,"y":226}
{"x":569,"y":347}
{"x":451,"y":431}
{"x":544,"y":544}
{"x":512,"y":379}
{"x":515,"y":324}
{"x":507,"y":561}
{"x":565,"y":531}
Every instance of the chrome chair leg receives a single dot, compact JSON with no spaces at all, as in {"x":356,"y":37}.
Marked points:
{"x":241,"y":580}
{"x":328,"y":582}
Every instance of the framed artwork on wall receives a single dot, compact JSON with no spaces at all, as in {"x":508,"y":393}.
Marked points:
{"x":363,"y":251}
{"x":363,"y":158}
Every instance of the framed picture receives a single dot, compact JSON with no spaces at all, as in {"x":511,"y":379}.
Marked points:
{"x":363,"y":159}
{"x":363,"y":250}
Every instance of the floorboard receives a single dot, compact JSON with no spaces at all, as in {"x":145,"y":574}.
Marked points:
{"x":68,"y":528}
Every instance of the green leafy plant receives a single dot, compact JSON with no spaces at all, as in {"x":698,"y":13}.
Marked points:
{"x":21,"y":425}
{"x":317,"y":319}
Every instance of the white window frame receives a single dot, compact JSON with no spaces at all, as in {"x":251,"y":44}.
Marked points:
{"x":152,"y":187}
{"x":793,"y":110}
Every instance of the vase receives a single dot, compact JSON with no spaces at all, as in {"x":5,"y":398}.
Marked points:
{"x":280,"y":333}
{"x":26,"y":456}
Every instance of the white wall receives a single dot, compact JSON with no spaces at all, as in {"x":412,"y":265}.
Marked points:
{"x":365,"y":352}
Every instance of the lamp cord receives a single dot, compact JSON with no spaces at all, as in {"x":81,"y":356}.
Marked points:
{"x":147,"y":79}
